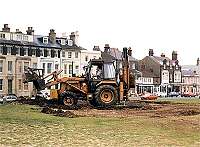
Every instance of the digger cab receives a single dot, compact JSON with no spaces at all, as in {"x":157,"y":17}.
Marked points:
{"x":99,"y":71}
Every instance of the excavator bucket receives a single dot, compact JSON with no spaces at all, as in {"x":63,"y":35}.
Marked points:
{"x":35,"y":76}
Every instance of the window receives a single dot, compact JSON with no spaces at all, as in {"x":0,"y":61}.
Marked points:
{"x":86,"y":58}
{"x":20,"y":84}
{"x":17,"y":50}
{"x":63,"y":53}
{"x":1,"y":65}
{"x":76,"y":54}
{"x":41,"y":52}
{"x":34,"y":52}
{"x":65,"y":69}
{"x":43,"y":66}
{"x":109,"y":71}
{"x":25,"y":38}
{"x":8,"y":50}
{"x":49,"y":66}
{"x":20,"y":67}
{"x":56,"y":66}
{"x":10,"y":66}
{"x":55,"y":53}
{"x":2,"y":36}
{"x":19,"y":37}
{"x":26,"y":51}
{"x":1,"y":84}
{"x":48,"y":53}
{"x":45,"y":40}
{"x":133,"y":66}
{"x":77,"y":69}
{"x":70,"y":69}
{"x":26,"y":65}
{"x":69,"y":54}
{"x":34,"y":65}
{"x":25,"y":86}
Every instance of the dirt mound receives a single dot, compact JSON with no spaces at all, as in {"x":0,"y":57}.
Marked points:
{"x":58,"y":112}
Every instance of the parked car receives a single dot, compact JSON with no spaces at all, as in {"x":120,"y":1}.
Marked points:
{"x":188,"y":94}
{"x":161,"y":94}
{"x":9,"y":98}
{"x":148,"y":96}
{"x":174,"y":94}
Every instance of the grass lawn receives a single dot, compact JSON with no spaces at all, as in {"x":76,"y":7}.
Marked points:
{"x":24,"y":125}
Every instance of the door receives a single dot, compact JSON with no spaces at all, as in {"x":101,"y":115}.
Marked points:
{"x":9,"y":86}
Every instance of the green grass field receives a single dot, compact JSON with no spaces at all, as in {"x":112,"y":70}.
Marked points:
{"x":24,"y":125}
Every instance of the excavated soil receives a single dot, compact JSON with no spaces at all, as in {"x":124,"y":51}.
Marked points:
{"x":131,"y":109}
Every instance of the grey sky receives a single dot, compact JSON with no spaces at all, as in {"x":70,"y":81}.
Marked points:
{"x":164,"y":25}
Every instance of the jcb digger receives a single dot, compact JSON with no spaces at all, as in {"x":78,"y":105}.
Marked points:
{"x":102,"y":85}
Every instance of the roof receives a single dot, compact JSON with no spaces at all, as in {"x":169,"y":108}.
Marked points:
{"x":160,"y":60}
{"x":107,"y":57}
{"x":38,"y":39}
{"x":117,"y":54}
{"x":190,"y":70}
{"x":189,"y":73}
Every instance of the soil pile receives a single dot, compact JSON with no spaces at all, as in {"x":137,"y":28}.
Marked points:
{"x":58,"y":112}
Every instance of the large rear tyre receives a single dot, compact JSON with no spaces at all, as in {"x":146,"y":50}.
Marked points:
{"x":106,"y":96}
{"x":69,"y":99}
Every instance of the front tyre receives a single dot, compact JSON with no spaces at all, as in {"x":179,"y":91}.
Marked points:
{"x":69,"y":99}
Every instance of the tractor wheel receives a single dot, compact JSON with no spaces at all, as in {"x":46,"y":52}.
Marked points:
{"x":106,"y":96}
{"x":69,"y":99}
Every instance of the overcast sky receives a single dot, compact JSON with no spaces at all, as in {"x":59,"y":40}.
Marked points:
{"x":163,"y":25}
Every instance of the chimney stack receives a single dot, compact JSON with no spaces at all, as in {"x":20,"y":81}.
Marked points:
{"x":52,"y":36}
{"x":72,"y":37}
{"x":106,"y":48}
{"x":6,"y":28}
{"x":96,"y":48}
{"x":129,"y":51}
{"x":198,"y":61}
{"x":174,"y":55}
{"x":162,"y":55}
{"x":30,"y":31}
{"x":151,"y":52}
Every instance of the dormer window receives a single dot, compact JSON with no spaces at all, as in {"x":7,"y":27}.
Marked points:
{"x":70,"y":42}
{"x":25,"y":38}
{"x":63,"y":41}
{"x":19,"y":37}
{"x":2,"y":36}
{"x":45,"y":40}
